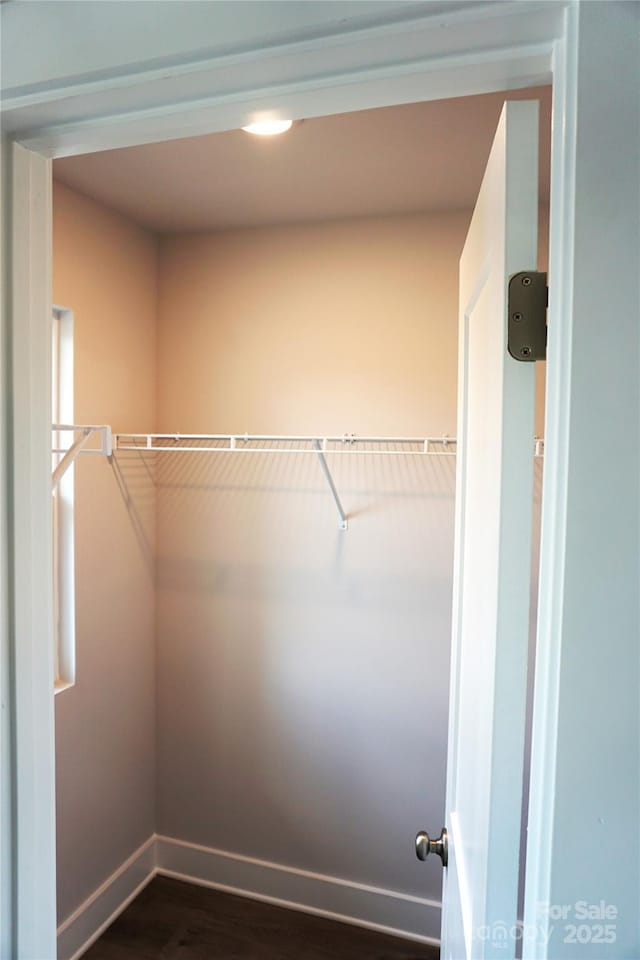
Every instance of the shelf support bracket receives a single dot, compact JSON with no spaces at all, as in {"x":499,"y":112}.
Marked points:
{"x":342,"y":522}
{"x":69,"y":457}
{"x":77,"y":447}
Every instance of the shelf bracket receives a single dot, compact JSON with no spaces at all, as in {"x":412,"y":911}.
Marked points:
{"x":342,"y":521}
{"x":77,"y":447}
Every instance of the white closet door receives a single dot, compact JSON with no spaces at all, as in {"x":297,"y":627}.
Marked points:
{"x":492,"y":558}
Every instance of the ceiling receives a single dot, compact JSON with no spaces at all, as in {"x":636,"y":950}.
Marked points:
{"x":412,"y":158}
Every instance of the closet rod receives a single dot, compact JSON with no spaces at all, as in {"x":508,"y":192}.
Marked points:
{"x":348,"y":443}
{"x":245,"y":443}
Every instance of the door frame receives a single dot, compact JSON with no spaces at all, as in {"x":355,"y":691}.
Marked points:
{"x":529,"y":43}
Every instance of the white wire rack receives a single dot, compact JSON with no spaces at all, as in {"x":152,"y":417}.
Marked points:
{"x":320,"y":447}
{"x":77,"y":446}
{"x":347,"y":443}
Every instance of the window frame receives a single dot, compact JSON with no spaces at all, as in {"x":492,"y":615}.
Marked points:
{"x":63,"y":503}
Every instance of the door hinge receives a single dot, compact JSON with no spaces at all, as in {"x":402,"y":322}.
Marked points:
{"x":527,"y":323}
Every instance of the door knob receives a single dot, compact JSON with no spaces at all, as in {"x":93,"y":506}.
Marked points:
{"x":425,"y":845}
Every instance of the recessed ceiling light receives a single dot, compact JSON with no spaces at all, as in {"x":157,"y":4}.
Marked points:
{"x":268,"y":128}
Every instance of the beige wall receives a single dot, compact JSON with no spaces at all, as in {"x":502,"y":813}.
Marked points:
{"x":105,"y":270}
{"x":347,"y":326}
{"x":296,"y":720}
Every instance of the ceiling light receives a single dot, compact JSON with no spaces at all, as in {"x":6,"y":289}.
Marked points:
{"x":268,"y":128}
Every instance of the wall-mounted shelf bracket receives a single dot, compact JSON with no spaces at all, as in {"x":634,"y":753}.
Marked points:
{"x":84,"y":434}
{"x":343,"y":522}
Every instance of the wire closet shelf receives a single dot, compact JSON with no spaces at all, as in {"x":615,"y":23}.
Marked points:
{"x":346,"y":443}
{"x":318,"y":446}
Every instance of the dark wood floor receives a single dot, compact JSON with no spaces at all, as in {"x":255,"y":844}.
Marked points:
{"x":171,"y":920}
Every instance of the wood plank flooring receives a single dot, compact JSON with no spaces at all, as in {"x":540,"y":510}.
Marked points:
{"x":172,"y":920}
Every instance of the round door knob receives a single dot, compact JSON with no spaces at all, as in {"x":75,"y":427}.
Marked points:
{"x":425,"y":845}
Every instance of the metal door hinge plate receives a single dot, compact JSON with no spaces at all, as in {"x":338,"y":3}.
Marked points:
{"x":527,"y":322}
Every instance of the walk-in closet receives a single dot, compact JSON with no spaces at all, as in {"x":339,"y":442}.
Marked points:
{"x":254,"y":358}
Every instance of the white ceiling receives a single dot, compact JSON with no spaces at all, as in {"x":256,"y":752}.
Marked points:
{"x":416,"y":157}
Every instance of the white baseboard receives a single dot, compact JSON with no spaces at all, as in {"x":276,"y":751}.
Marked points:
{"x":386,"y":911}
{"x":84,"y":925}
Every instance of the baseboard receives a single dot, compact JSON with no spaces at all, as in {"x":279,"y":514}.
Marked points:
{"x":84,"y":925}
{"x":386,"y":911}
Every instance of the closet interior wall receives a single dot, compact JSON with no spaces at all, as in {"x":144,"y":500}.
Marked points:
{"x":253,"y":683}
{"x":105,"y":270}
{"x":296,"y":721}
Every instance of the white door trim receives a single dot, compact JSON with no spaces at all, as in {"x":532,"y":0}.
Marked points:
{"x":556,"y":480}
{"x":526,"y":42}
{"x":583,"y":833}
{"x":448,"y":73}
{"x":435,"y":53}
{"x":30,"y":550}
